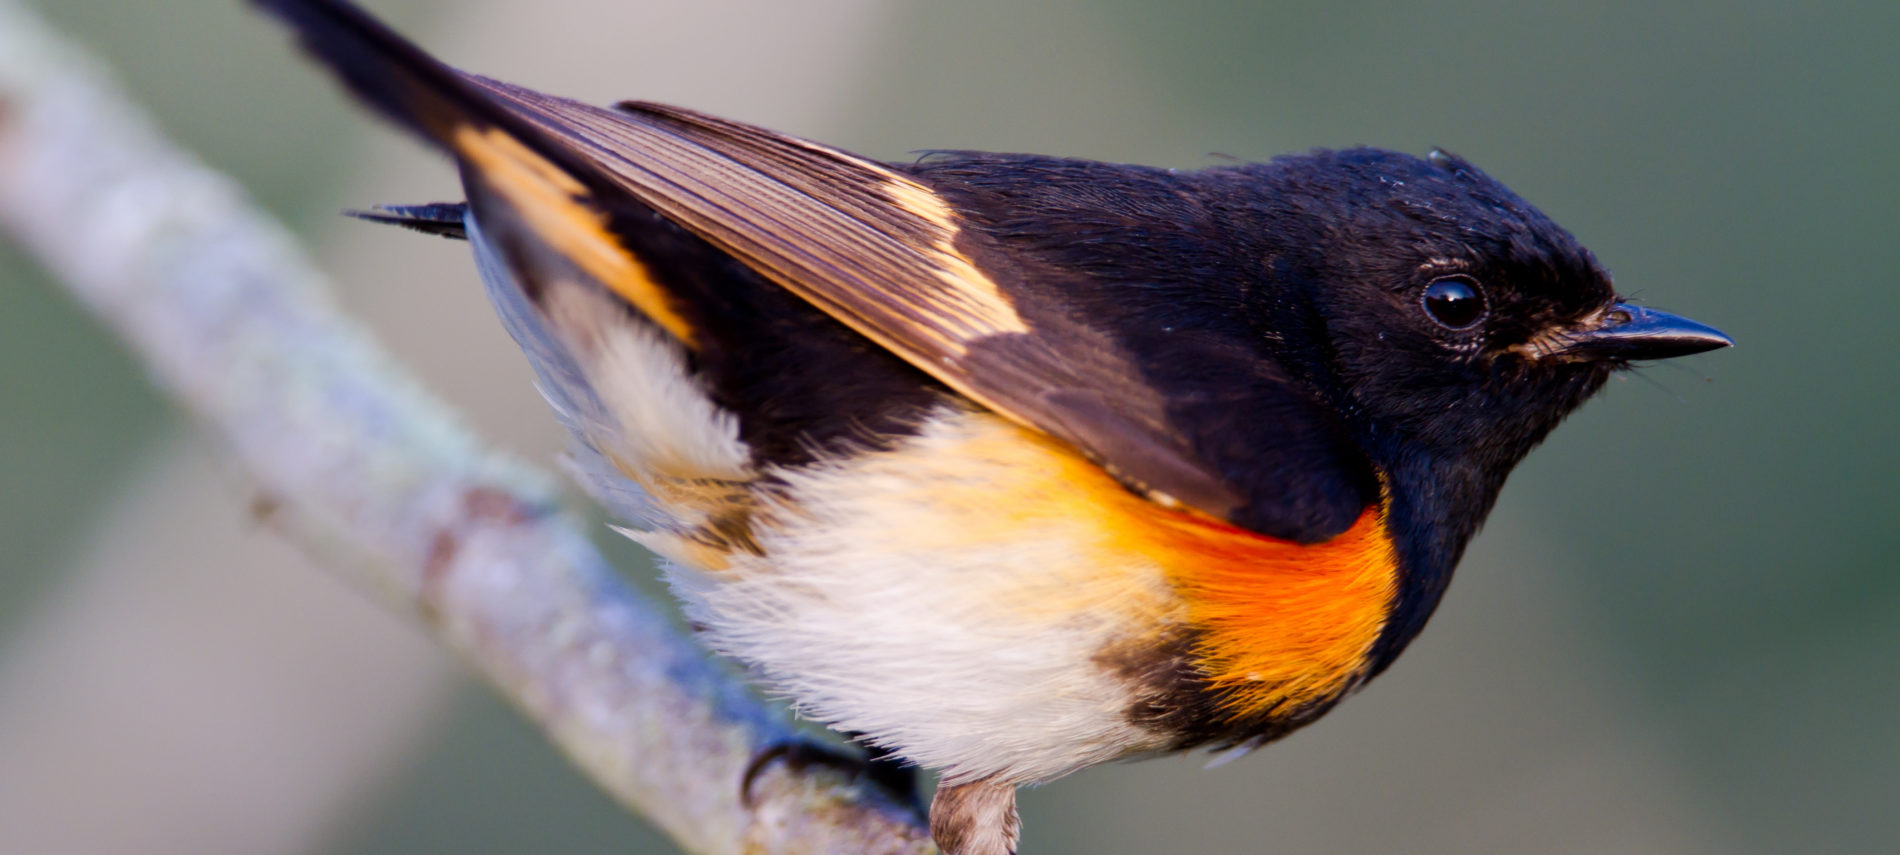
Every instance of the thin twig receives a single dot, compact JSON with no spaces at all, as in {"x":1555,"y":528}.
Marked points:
{"x":370,"y":472}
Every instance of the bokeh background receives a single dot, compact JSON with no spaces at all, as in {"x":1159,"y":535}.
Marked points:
{"x":1680,"y":632}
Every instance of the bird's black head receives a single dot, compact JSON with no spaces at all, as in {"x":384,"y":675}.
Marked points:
{"x":1426,"y":298}
{"x":1454,"y":325}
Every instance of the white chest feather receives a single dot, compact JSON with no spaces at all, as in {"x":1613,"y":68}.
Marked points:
{"x":944,"y":600}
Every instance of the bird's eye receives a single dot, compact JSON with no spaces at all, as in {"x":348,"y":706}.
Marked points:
{"x":1454,"y":302}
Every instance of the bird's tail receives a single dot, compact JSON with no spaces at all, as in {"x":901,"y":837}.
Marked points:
{"x":396,"y":77}
{"x":550,"y":209}
{"x":564,"y":250}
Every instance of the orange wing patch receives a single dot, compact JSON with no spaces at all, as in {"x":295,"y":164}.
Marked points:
{"x":553,"y":205}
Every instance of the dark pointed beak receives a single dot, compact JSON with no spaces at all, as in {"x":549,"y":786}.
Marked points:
{"x":1634,"y":333}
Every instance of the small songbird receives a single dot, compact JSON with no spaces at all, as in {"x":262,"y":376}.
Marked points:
{"x":1007,"y":465}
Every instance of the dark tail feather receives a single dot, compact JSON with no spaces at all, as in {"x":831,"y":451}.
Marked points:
{"x":382,"y":68}
{"x":435,"y":218}
{"x":547,"y":207}
{"x":406,"y":84}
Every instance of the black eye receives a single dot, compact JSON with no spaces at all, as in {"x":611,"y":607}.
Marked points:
{"x":1454,"y":302}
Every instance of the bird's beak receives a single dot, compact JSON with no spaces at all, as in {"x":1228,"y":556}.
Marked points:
{"x":1632,"y":333}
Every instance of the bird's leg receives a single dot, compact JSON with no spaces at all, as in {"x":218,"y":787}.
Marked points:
{"x":977,"y":818}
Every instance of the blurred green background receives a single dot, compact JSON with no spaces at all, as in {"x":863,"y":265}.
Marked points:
{"x":1680,"y":631}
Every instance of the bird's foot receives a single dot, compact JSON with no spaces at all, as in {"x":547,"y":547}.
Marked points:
{"x":876,"y":765}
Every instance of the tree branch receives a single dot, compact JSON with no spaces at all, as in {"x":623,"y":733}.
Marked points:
{"x":367,"y":470}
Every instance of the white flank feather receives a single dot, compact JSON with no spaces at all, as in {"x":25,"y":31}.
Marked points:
{"x":971,"y":652}
{"x":621,"y":389}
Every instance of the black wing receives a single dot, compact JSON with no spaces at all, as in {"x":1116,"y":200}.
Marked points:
{"x":878,"y":250}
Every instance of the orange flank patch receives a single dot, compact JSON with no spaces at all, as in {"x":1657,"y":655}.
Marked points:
{"x":1283,"y":625}
{"x":551,"y":203}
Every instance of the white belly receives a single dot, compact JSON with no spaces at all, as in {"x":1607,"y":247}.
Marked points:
{"x":945,"y":599}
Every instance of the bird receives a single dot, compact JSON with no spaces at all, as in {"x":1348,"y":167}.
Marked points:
{"x":1007,"y":465}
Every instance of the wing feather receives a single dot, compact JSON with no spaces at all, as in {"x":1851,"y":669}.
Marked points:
{"x":889,"y":257}
{"x":882,"y":252}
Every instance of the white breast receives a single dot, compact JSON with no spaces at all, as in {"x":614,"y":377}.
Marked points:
{"x":945,"y":600}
